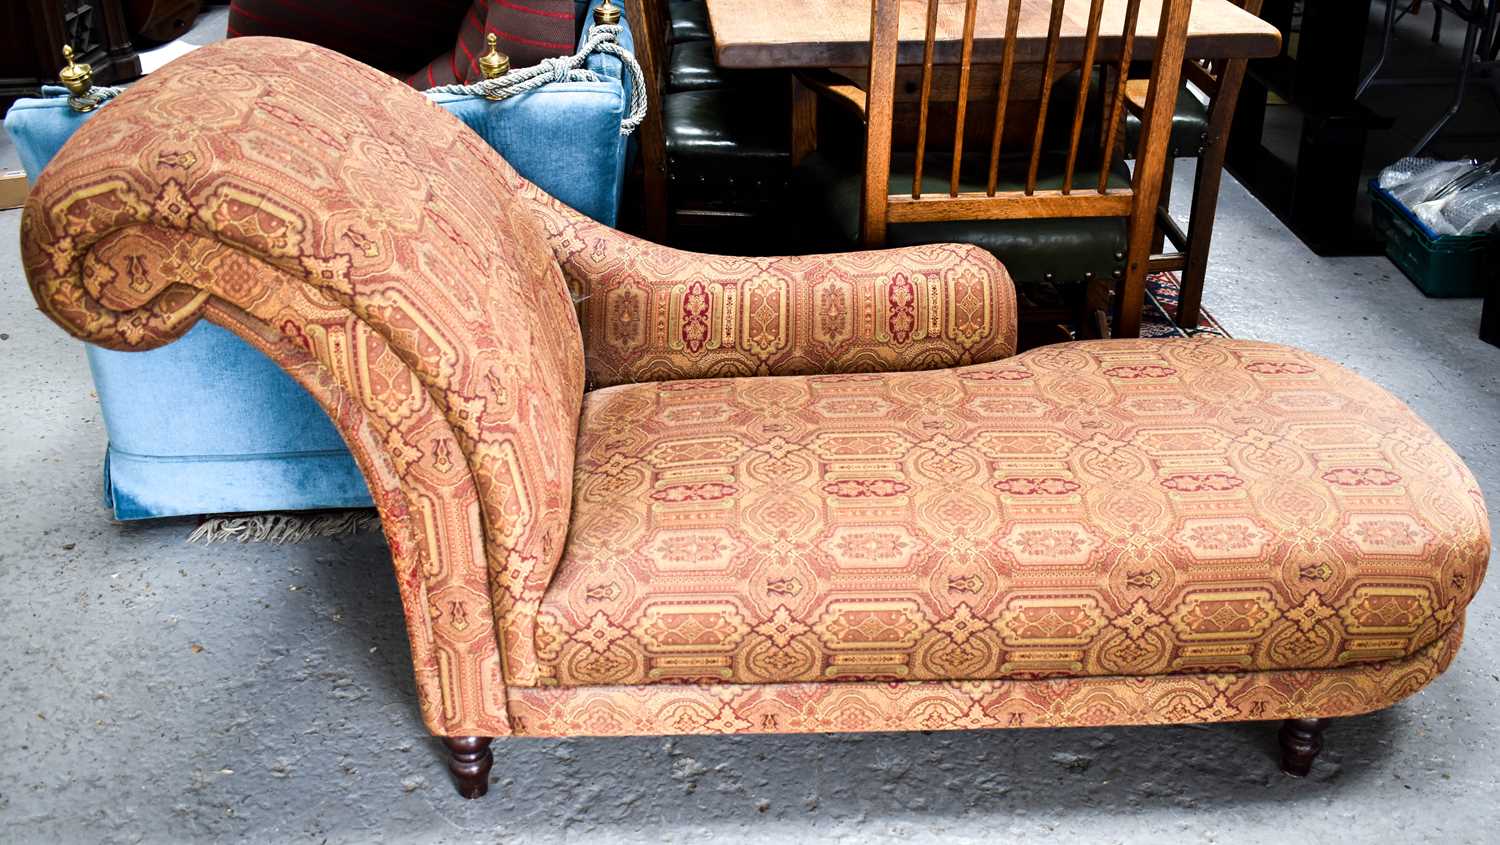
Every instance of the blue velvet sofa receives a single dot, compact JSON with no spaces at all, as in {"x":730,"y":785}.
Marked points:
{"x":210,"y":425}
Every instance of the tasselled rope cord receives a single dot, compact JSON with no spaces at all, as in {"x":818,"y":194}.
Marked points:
{"x":90,"y":99}
{"x":603,"y":38}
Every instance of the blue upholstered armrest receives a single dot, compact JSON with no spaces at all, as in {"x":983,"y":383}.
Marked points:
{"x":39,"y":127}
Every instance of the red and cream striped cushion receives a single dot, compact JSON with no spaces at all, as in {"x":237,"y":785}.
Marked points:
{"x":402,"y":38}
{"x":397,"y":36}
{"x":527,"y":30}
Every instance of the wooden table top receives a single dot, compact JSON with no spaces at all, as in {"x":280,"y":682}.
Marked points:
{"x":836,"y":33}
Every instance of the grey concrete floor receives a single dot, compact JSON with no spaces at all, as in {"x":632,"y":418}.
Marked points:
{"x":155,"y":691}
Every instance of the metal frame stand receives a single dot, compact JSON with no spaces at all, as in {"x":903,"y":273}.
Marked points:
{"x":1481,"y":45}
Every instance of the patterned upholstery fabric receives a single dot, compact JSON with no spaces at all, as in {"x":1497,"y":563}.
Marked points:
{"x":652,"y":313}
{"x":665,"y":709}
{"x":367,"y":241}
{"x":1286,"y":532}
{"x":1093,"y":509}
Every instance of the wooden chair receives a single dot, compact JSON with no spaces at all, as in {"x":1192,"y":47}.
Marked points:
{"x":711,"y":156}
{"x":1199,"y":131}
{"x":1028,"y":210}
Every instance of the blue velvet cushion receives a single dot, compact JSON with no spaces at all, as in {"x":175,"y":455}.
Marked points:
{"x":208,"y":424}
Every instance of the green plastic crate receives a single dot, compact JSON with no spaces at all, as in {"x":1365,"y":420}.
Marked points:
{"x":1441,"y":265}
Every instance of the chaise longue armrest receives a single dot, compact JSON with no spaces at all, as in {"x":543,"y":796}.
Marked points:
{"x":357,"y":235}
{"x":653,"y":313}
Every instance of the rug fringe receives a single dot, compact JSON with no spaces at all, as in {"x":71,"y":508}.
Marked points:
{"x":281,"y":528}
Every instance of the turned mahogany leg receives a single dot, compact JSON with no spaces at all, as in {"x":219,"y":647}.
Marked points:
{"x":1301,"y":740}
{"x":469,"y":759}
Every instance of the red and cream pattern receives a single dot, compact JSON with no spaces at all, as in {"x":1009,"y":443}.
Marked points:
{"x":666,"y":709}
{"x":1086,"y":509}
{"x":653,"y":313}
{"x":370,"y":243}
{"x":1085,"y":534}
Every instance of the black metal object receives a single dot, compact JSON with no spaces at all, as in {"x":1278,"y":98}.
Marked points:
{"x":1489,"y":320}
{"x":1313,"y":187}
{"x":1480,"y":18}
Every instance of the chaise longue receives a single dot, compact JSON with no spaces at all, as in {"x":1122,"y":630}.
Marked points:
{"x":633,"y":490}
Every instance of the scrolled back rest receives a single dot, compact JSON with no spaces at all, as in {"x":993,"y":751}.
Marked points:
{"x":376,"y":248}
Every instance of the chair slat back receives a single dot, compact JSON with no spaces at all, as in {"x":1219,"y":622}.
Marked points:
{"x":1110,"y":51}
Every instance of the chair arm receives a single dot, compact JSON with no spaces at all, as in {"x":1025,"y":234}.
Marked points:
{"x":354,"y":233}
{"x":653,"y":313}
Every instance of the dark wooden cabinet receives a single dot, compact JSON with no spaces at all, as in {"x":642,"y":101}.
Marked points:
{"x":32,"y":35}
{"x":1304,"y":157}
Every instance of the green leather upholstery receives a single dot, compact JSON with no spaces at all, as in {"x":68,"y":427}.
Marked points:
{"x":1038,"y":253}
{"x":1189,"y":127}
{"x":1189,"y":119}
{"x":726,"y":146}
{"x":727,"y":134}
{"x":693,"y":68}
{"x":689,"y":21}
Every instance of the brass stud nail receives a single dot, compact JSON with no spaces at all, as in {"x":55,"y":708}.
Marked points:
{"x":493,"y":63}
{"x":607,"y":14}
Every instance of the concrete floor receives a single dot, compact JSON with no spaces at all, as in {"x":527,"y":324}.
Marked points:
{"x":153,"y":691}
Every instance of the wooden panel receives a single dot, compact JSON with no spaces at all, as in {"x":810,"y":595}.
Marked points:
{"x":833,"y":33}
{"x":966,"y":68}
{"x":1004,"y":93}
{"x":983,"y":81}
{"x":1150,"y":162}
{"x":881,"y":87}
{"x":647,"y":22}
{"x":12,"y":189}
{"x":924,"y":98}
{"x":1009,"y":205}
{"x":804,"y":120}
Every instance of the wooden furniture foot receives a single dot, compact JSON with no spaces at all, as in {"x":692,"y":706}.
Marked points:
{"x":1301,"y":740}
{"x":470,"y":759}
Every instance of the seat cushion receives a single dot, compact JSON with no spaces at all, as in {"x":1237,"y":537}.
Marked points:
{"x":727,"y":152}
{"x":1102,"y":508}
{"x":1189,"y":127}
{"x":1036,"y":252}
{"x":723,"y":126}
{"x":693,"y":67}
{"x":689,"y":21}
{"x":1187,"y":139}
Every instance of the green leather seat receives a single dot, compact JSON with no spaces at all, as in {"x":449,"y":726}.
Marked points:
{"x":727,"y":147}
{"x":689,"y":21}
{"x":1189,"y":127}
{"x":692,"y":68}
{"x":1189,"y":119}
{"x":1039,"y":253}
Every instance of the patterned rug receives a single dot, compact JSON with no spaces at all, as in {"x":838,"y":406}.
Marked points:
{"x":1162,"y":290}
